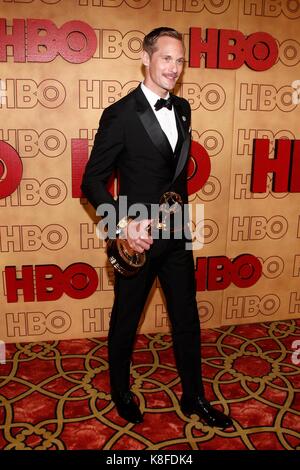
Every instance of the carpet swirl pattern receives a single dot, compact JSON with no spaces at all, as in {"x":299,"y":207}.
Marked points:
{"x":55,"y":395}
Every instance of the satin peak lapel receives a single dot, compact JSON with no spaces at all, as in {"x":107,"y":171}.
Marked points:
{"x":151,"y":125}
{"x":184,"y":153}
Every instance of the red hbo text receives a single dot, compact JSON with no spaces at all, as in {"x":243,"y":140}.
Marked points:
{"x":285,"y":166}
{"x":11,"y":169}
{"x":218,"y":272}
{"x":230,"y":49}
{"x":75,"y":41}
{"x":49,"y":282}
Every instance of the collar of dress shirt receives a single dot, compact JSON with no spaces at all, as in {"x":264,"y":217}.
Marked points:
{"x":151,"y":96}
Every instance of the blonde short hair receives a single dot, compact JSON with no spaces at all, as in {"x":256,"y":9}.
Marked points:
{"x":151,"y":38}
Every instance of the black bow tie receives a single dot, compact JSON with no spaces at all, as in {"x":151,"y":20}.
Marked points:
{"x":161,"y":103}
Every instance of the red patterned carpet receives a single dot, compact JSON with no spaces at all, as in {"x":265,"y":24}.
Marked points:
{"x":55,"y":395}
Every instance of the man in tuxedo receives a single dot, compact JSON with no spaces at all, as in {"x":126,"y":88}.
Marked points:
{"x":146,"y":137}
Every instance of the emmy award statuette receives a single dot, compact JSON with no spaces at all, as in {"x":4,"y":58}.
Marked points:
{"x":128,"y":261}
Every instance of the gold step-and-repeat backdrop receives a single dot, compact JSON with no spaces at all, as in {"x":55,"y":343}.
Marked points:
{"x":62,"y":63}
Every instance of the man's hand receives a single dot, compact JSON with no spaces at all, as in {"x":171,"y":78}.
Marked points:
{"x":138,"y":236}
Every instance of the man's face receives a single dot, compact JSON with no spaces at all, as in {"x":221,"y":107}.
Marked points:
{"x":164,"y":66}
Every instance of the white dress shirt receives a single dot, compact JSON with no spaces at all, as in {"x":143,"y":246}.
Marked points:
{"x":165,"y":116}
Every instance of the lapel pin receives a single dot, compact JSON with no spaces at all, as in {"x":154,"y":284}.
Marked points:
{"x":183,"y":118}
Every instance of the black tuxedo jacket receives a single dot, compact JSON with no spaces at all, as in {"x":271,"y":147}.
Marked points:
{"x":131,"y":140}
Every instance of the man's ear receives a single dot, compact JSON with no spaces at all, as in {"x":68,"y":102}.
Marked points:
{"x":145,"y":59}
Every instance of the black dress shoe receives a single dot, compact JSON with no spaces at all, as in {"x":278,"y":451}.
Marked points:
{"x":126,"y":407}
{"x":200,"y":406}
